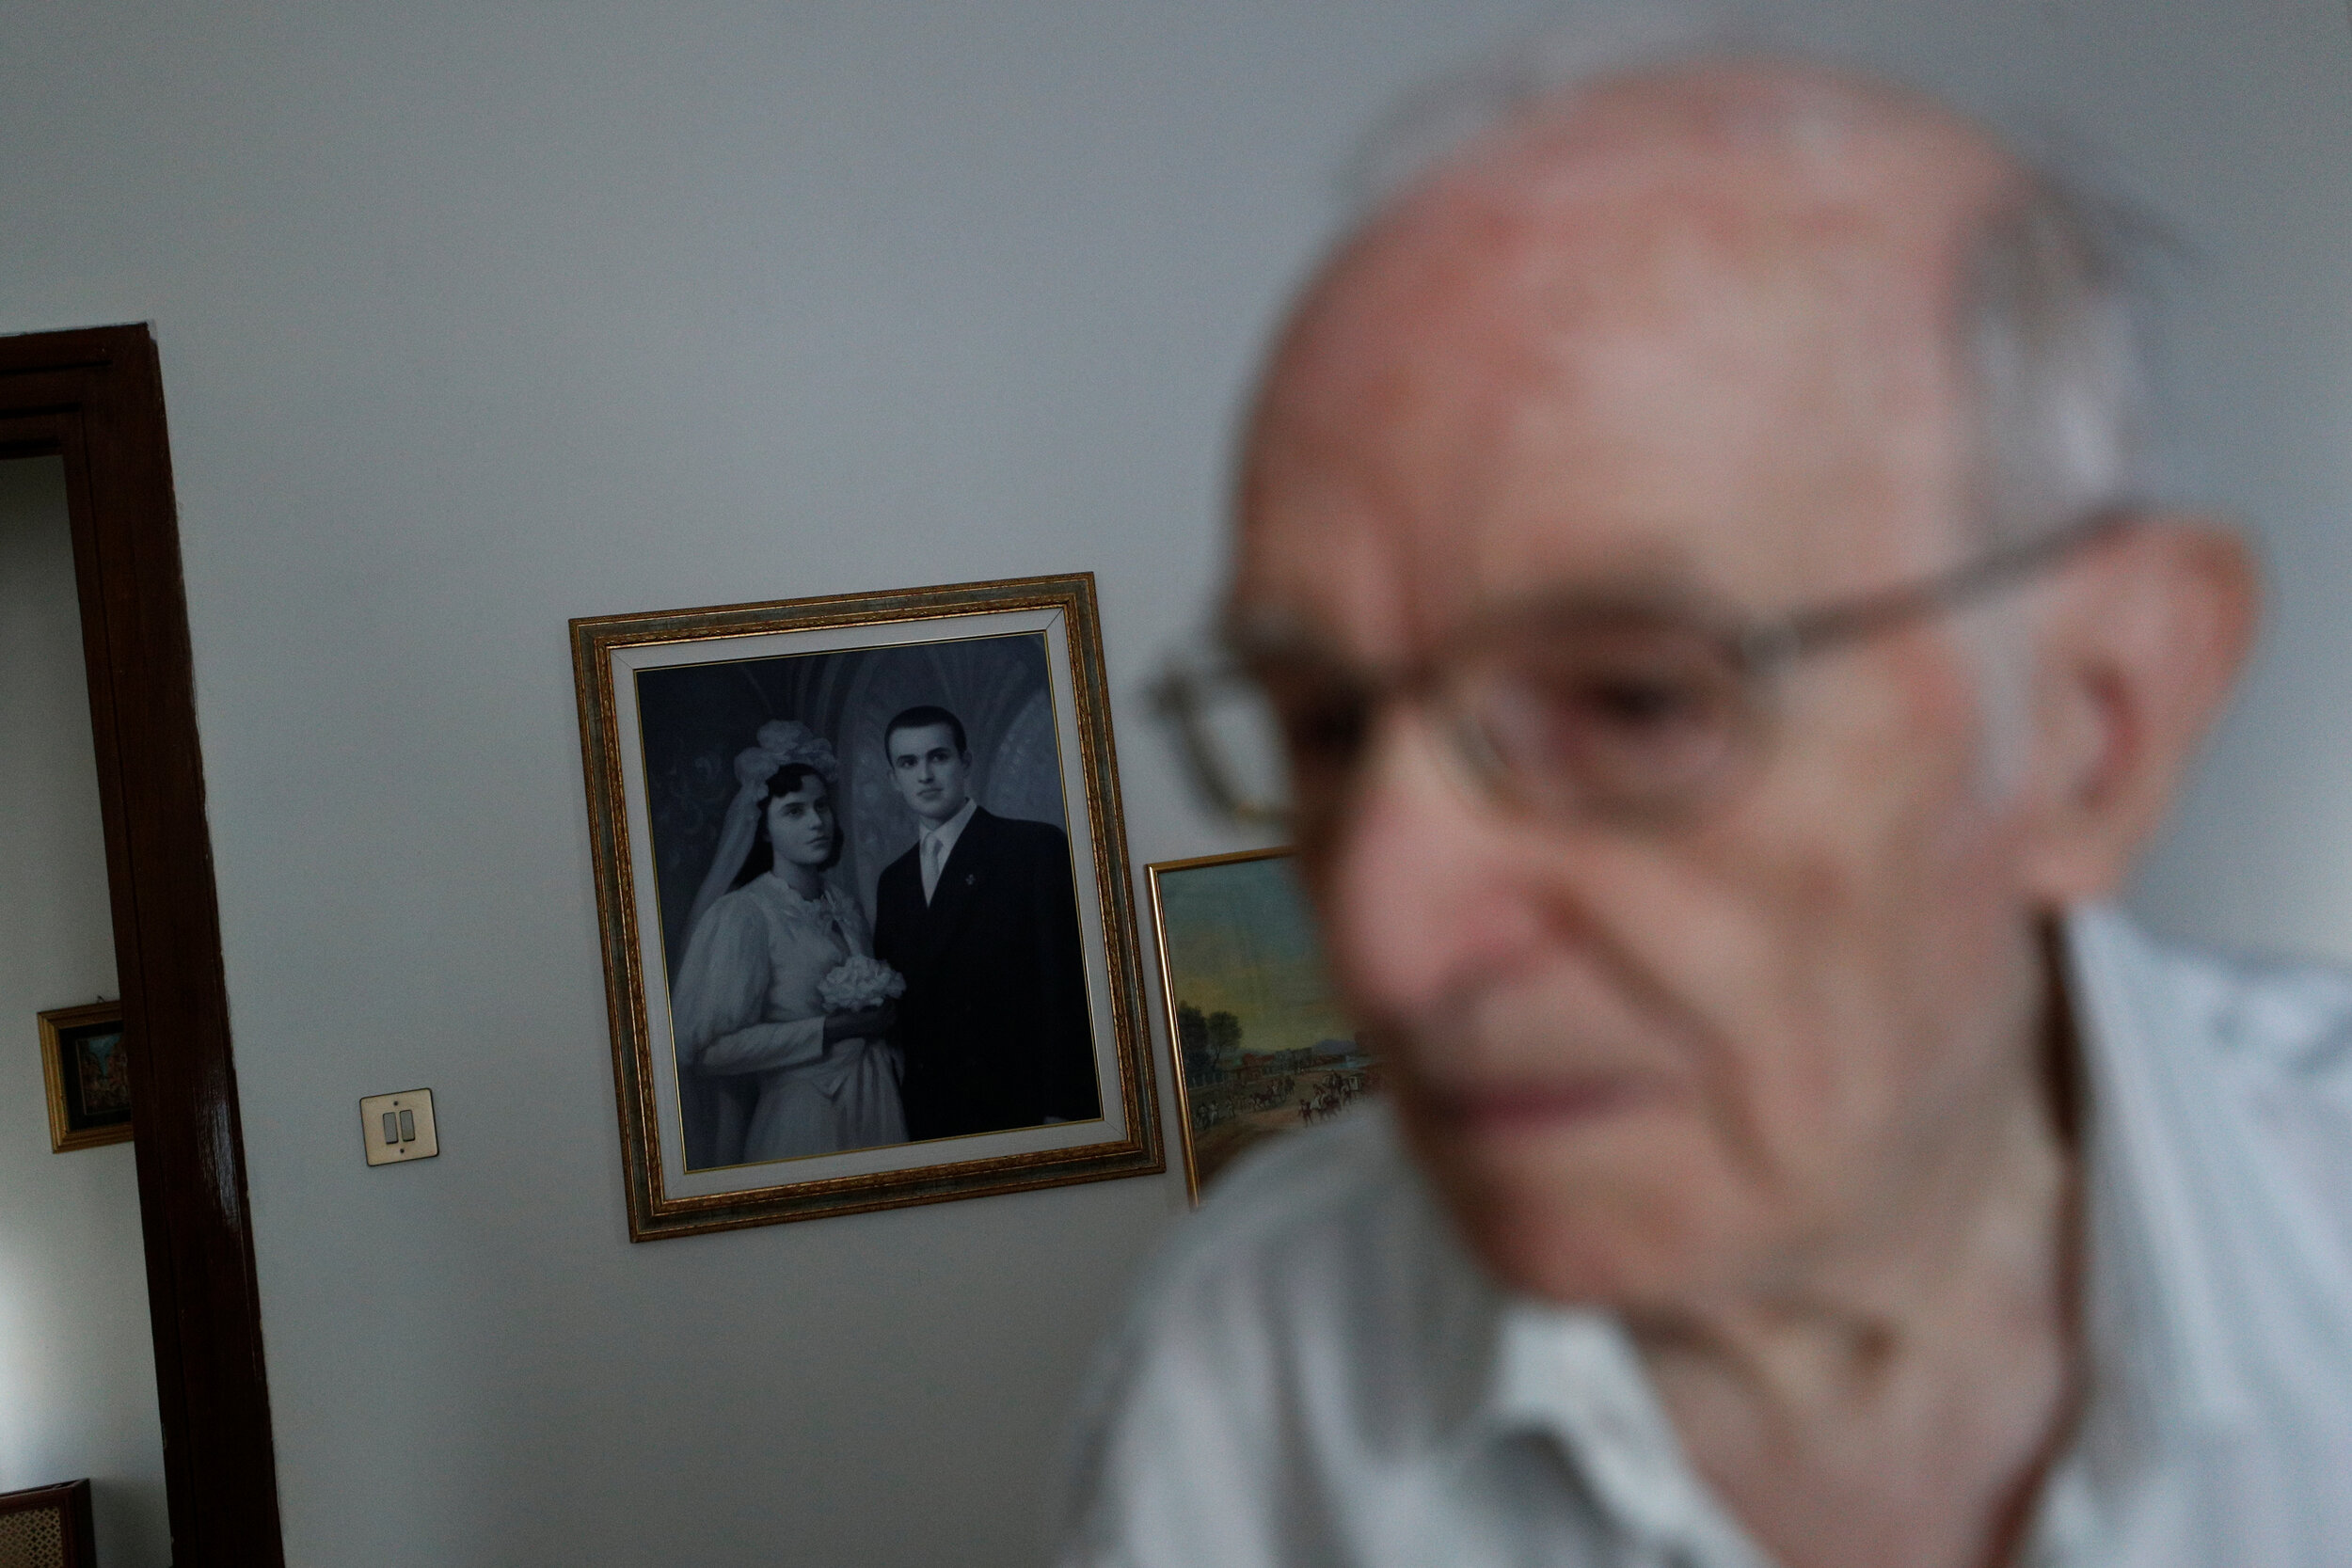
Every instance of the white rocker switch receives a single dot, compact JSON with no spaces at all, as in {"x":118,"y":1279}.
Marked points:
{"x":397,"y":1128}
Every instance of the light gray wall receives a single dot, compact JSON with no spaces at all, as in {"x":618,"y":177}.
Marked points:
{"x":77,"y":1363}
{"x":475,"y":318}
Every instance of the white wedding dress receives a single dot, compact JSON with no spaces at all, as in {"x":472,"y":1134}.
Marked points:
{"x":746,"y":1004}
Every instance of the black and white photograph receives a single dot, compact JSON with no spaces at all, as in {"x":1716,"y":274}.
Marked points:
{"x":865,"y":951}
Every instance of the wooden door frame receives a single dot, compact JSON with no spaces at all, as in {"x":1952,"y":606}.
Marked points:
{"x":95,"y":398}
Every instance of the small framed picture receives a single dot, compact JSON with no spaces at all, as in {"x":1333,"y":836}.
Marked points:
{"x":1260,"y":1045}
{"x":89,"y":1076}
{"x":863,"y":891}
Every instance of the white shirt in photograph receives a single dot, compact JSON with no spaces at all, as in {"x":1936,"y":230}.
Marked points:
{"x":939,"y":842}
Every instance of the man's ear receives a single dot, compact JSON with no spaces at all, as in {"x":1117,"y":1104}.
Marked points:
{"x":2140,"y":651}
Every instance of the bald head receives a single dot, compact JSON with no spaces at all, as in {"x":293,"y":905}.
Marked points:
{"x":1635,"y":185}
{"x":1652,"y":278}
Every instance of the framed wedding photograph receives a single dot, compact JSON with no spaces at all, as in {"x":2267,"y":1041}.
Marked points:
{"x":88,"y":1076}
{"x":1260,"y":1045}
{"x":863,"y":886}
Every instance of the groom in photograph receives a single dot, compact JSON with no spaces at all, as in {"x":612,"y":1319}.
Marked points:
{"x":981,"y":917}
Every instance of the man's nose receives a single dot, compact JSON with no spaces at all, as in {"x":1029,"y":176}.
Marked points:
{"x":1422,"y":885}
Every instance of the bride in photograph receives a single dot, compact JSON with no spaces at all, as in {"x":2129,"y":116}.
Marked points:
{"x":779,"y":990}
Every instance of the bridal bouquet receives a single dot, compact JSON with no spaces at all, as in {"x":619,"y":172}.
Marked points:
{"x":858,"y":983}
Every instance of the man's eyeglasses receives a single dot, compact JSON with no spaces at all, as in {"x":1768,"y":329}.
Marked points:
{"x":1607,"y":710}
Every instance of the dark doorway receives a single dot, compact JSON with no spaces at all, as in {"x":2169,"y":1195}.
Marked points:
{"x":94,"y":398}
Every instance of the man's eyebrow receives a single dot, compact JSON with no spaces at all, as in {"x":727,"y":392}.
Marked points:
{"x":1264,"y":631}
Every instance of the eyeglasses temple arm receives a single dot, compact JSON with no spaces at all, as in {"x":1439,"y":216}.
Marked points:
{"x":1810,"y":631}
{"x":1175,"y":696}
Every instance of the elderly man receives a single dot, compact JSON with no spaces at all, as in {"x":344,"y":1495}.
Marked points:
{"x":1684,"y":538}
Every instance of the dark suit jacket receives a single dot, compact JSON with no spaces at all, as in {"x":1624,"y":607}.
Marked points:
{"x":993,"y":1025}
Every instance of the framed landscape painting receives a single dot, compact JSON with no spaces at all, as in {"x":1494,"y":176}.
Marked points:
{"x":1260,"y":1046}
{"x":88,"y":1074}
{"x":863,"y":886}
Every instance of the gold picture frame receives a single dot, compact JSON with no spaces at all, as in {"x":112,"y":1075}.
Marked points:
{"x":683,"y":714}
{"x":83,"y":1068}
{"x":1234,"y":929}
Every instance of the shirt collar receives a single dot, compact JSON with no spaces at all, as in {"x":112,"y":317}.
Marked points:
{"x":947,"y":833}
{"x":1575,"y":1377}
{"x":2162,"y":1367}
{"x":2215,"y":1286}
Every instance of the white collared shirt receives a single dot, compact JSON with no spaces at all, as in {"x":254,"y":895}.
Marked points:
{"x":1316,"y":1372}
{"x":938,"y":843}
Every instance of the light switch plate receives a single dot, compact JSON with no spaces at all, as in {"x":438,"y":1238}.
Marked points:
{"x":397,"y":1128}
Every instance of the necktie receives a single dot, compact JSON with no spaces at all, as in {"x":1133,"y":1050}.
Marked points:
{"x":932,"y":860}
